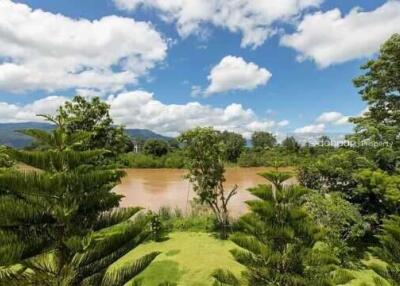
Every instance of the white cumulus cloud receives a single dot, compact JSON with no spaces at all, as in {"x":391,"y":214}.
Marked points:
{"x":45,"y":51}
{"x":255,"y":19}
{"x":333,"y":117}
{"x":140,"y":109}
{"x":234,"y":73}
{"x":24,"y":113}
{"x":313,"y":128}
{"x":331,"y":38}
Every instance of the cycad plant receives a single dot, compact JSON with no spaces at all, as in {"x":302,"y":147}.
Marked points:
{"x":59,"y":224}
{"x":278,"y":240}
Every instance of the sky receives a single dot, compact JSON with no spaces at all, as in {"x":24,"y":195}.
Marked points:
{"x":283,"y":66}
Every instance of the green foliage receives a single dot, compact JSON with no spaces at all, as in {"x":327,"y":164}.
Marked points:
{"x":224,"y":277}
{"x":248,"y":158}
{"x":377,"y":193}
{"x":155,"y":147}
{"x":389,"y":248}
{"x":277,"y":178}
{"x":205,"y":153}
{"x":290,"y":144}
{"x":274,"y":157}
{"x":309,"y":176}
{"x":334,"y":172}
{"x":234,"y":144}
{"x":174,"y":159}
{"x":278,"y":239}
{"x":156,"y":227}
{"x":93,"y":116}
{"x":324,"y":141}
{"x":52,"y":224}
{"x":263,"y":140}
{"x":5,"y":160}
{"x":379,"y":87}
{"x":341,"y":221}
{"x":197,"y":220}
{"x":387,"y":160}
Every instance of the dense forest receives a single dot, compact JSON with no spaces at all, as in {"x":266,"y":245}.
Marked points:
{"x":339,"y":224}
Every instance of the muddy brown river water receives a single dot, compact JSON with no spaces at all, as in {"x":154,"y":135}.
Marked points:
{"x":154,"y":188}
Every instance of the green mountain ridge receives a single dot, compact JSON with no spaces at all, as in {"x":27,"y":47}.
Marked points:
{"x":10,"y":137}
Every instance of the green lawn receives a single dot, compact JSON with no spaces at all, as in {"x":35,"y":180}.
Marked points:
{"x":187,"y":259}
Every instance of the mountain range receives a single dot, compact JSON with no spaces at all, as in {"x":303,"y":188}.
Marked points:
{"x":10,"y":137}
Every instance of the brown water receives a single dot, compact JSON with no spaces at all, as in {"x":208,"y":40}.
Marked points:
{"x":154,"y":188}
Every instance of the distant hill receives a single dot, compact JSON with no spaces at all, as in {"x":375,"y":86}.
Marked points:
{"x":145,"y":134}
{"x":9,"y":136}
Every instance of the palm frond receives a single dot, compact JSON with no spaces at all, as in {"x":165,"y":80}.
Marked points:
{"x":116,"y":216}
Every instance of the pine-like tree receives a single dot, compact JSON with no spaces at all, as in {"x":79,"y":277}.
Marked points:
{"x":389,"y":248}
{"x":58,"y":224}
{"x":278,"y":239}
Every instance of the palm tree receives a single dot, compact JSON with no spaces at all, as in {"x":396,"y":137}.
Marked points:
{"x":59,"y":225}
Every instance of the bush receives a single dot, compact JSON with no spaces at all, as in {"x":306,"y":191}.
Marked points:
{"x":140,"y":160}
{"x":5,"y":160}
{"x":198,"y":220}
{"x":155,"y":147}
{"x":174,"y":160}
{"x":250,"y":159}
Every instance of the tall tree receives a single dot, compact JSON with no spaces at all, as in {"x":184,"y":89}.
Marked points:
{"x":205,"y":153}
{"x":155,"y":147}
{"x":94,"y":116}
{"x":56,"y":226}
{"x":379,"y":86}
{"x":291,"y":144}
{"x":263,"y":140}
{"x":277,"y":239}
{"x":234,"y":144}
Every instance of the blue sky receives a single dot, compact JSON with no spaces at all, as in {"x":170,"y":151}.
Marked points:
{"x":312,"y":94}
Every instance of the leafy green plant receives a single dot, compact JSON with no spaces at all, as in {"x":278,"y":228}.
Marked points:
{"x":278,"y":239}
{"x":205,"y":152}
{"x":58,"y":224}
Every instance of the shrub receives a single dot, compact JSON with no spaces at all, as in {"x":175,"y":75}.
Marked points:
{"x":155,"y":147}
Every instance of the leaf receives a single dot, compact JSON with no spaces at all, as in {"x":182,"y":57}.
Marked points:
{"x":119,"y":276}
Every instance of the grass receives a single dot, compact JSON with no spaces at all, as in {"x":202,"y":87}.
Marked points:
{"x":187,"y":258}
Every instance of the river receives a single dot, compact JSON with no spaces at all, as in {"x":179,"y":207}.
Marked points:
{"x":154,"y":188}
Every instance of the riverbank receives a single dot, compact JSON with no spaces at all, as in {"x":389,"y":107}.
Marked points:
{"x":156,"y":188}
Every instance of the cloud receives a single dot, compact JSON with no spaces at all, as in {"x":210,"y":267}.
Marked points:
{"x":330,"y":38}
{"x":234,"y":73}
{"x":313,"y":128}
{"x":256,"y":20}
{"x":325,"y":119}
{"x":333,"y":117}
{"x":28,"y":112}
{"x":44,"y":51}
{"x":140,"y":109}
{"x":283,"y":123}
